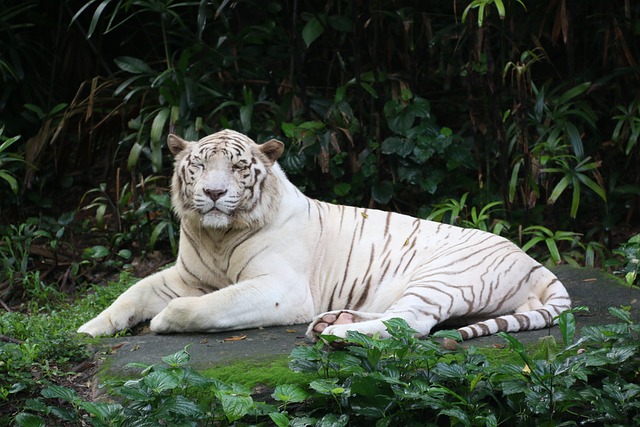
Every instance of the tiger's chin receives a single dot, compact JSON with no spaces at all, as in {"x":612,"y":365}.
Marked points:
{"x":216,"y":219}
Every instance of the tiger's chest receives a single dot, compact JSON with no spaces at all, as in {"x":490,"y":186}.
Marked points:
{"x":216,"y":258}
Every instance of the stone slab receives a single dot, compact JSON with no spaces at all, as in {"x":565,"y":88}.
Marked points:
{"x":587,"y":287}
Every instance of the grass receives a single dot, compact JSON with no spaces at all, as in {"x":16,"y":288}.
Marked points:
{"x":251,"y":373}
{"x":40,"y":346}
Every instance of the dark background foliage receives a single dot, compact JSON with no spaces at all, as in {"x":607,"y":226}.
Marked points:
{"x":496,"y":114}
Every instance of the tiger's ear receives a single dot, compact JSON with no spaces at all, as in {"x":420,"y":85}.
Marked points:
{"x":176,"y":144}
{"x":272,"y":149}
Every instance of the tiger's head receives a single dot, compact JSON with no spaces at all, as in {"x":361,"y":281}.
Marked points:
{"x":224,"y":180}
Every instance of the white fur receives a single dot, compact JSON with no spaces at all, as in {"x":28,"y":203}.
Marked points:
{"x":281,"y":258}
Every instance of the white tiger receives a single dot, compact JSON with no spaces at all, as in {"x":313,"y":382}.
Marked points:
{"x":254,"y":251}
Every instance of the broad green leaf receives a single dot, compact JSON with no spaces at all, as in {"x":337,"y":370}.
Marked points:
{"x":157,"y":127}
{"x":451,"y":334}
{"x":621,"y":314}
{"x":559,"y":188}
{"x":342,"y":189}
{"x":575,"y":198}
{"x":324,"y":386}
{"x":235,"y":406}
{"x":481,"y":13}
{"x":96,"y":252}
{"x":58,"y":108}
{"x":65,"y":414}
{"x":422,"y":155}
{"x":574,"y":92}
{"x":96,"y":17}
{"x":513,"y":182}
{"x":517,"y":347}
{"x":457,"y":414}
{"x":160,"y":381}
{"x":333,"y":420}
{"x":125,"y":84}
{"x":9,"y":179}
{"x":294,"y":162}
{"x":179,"y":358}
{"x":382,"y":192}
{"x":289,"y":393}
{"x":553,"y":250}
{"x":134,"y":155}
{"x":133,"y":65}
{"x":280,"y":419}
{"x":500,"y":8}
{"x":24,"y":419}
{"x":246,"y":111}
{"x":157,"y":231}
{"x":420,"y":107}
{"x":567,"y":324}
{"x":59,"y":392}
{"x":619,"y":355}
{"x":531,"y":243}
{"x":125,"y":254}
{"x":595,"y":187}
{"x":305,"y":359}
{"x":370,"y":90}
{"x":102,"y":411}
{"x":7,"y":143}
{"x":396,"y":145}
{"x":181,"y":405}
{"x":575,"y":139}
{"x":100,"y":215}
{"x":312,"y":30}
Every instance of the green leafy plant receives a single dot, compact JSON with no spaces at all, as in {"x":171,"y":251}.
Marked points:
{"x":589,"y":378}
{"x":403,"y":380}
{"x":554,"y":154}
{"x":31,"y":251}
{"x":627,"y":129}
{"x":40,"y":346}
{"x":591,"y":381}
{"x":416,"y":141}
{"x":18,"y":277}
{"x":574,"y":174}
{"x":628,"y":262}
{"x":7,"y":173}
{"x":142,"y":213}
{"x":456,"y":212}
{"x":169,"y":393}
{"x":481,"y":5}
{"x":551,"y":240}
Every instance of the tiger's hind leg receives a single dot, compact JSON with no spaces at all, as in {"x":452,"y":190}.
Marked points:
{"x":541,"y":310}
{"x":339,"y":322}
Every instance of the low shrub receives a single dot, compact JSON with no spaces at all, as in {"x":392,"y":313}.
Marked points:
{"x":397,"y":381}
{"x":39,"y":348}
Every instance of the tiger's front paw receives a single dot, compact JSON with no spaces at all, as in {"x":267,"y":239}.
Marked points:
{"x":176,"y":317}
{"x":104,"y":324}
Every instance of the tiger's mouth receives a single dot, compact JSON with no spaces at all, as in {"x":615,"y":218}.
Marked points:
{"x":216,"y":218}
{"x":215,"y":210}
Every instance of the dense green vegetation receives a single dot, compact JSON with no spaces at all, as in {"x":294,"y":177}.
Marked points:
{"x":396,"y":381}
{"x":517,"y":117}
{"x":519,"y":113}
{"x":40,"y":346}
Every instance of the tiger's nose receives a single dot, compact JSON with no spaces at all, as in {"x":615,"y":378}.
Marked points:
{"x":214,"y":194}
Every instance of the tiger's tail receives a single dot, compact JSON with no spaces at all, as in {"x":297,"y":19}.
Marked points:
{"x":541,"y":311}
